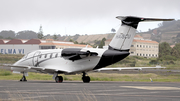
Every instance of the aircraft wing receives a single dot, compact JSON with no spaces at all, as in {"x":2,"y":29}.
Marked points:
{"x":38,"y":69}
{"x":127,"y":68}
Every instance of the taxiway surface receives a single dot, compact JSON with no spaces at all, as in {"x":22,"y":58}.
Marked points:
{"x":94,"y":91}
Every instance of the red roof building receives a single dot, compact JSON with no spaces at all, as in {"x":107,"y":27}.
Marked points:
{"x":20,"y":46}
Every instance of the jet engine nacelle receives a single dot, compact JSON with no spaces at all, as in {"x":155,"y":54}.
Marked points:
{"x":76,"y":53}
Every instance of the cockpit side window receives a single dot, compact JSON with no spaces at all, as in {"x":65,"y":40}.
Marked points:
{"x":25,"y":56}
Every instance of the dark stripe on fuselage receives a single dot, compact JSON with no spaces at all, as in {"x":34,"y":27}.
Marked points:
{"x":111,"y":56}
{"x":44,"y":59}
{"x":38,"y":63}
{"x":110,"y":48}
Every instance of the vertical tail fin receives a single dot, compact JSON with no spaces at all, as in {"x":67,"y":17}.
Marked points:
{"x":123,"y":38}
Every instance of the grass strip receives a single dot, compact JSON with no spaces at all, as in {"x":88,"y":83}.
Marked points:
{"x":7,"y":75}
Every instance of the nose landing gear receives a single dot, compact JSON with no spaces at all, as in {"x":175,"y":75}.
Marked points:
{"x":23,"y":78}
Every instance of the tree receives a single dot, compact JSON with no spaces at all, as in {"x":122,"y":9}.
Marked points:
{"x":174,"y":53}
{"x":55,"y":37}
{"x":149,"y":29}
{"x":40,"y":33}
{"x":113,"y":30}
{"x":7,"y":34}
{"x":176,"y":50}
{"x":75,"y":42}
{"x":164,"y":50}
{"x":71,"y":40}
{"x":26,"y":35}
{"x":102,"y":43}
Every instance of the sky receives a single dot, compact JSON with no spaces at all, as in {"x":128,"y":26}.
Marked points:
{"x":70,"y":17}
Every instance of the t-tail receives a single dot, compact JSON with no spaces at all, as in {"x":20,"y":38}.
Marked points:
{"x":123,"y":38}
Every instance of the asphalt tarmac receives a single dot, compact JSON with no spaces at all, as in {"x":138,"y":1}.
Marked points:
{"x":93,"y":91}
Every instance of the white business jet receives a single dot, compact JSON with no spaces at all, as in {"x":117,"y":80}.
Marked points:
{"x":82,"y":60}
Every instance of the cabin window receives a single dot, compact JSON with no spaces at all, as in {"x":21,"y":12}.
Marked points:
{"x":45,"y":55}
{"x":56,"y":55}
{"x":39,"y":56}
{"x":51,"y":55}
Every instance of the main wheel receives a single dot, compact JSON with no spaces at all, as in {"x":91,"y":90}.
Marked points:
{"x":59,"y":79}
{"x":86,"y":79}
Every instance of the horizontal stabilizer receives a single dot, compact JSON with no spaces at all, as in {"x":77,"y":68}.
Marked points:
{"x":140,"y":19}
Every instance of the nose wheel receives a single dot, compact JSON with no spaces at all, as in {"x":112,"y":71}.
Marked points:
{"x":86,"y":79}
{"x":23,"y":78}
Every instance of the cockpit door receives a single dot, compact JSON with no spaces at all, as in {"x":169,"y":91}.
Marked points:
{"x":35,"y":58}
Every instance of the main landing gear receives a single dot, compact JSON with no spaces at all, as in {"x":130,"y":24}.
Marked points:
{"x":86,"y":79}
{"x":59,"y":79}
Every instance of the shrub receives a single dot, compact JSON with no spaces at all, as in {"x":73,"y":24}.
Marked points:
{"x":153,"y":62}
{"x":5,"y":72}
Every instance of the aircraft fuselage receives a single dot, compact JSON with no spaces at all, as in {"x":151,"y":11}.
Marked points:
{"x":53,"y":58}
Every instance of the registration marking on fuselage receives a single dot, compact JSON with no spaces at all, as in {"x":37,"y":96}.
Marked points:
{"x":152,"y":87}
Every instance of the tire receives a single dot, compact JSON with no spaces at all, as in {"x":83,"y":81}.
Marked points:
{"x":59,"y":79}
{"x":86,"y":79}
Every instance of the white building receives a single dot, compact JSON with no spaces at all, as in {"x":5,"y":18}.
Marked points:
{"x":144,"y":48}
{"x":18,"y":46}
{"x":141,"y":47}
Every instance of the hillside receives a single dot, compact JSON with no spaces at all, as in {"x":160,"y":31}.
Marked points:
{"x":91,"y":39}
{"x":166,"y":32}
